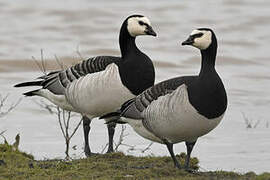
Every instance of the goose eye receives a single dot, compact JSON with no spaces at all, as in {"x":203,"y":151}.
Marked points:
{"x":198,"y":35}
{"x":141,"y":23}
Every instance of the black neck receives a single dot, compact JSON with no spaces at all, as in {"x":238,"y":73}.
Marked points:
{"x":207,"y":93}
{"x":127,"y":42}
{"x":136,"y":69}
{"x":208,"y":60}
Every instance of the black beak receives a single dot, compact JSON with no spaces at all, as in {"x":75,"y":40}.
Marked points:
{"x":149,"y":31}
{"x":189,"y":41}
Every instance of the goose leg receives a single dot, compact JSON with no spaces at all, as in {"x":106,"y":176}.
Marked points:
{"x":86,"y":130}
{"x":189,"y":146}
{"x":170,"y":148}
{"x":111,"y":130}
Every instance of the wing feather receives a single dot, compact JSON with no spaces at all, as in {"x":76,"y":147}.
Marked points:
{"x":141,"y":102}
{"x":57,"y":81}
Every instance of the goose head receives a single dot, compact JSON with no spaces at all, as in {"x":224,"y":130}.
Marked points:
{"x":139,"y":25}
{"x":202,"y":38}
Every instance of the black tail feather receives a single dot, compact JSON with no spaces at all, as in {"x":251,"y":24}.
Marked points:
{"x":31,"y":93}
{"x":110,"y":115}
{"x":113,"y":117}
{"x":31,"y":83}
{"x":115,"y":121}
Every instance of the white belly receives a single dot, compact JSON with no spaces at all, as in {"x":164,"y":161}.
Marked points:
{"x":172,"y":117}
{"x":138,"y":127}
{"x":98,"y":93}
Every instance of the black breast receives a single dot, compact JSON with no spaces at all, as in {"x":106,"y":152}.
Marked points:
{"x":137,"y":74}
{"x":208,"y":96}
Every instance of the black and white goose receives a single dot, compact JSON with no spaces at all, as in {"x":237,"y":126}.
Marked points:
{"x":101,"y":84}
{"x":183,"y":108}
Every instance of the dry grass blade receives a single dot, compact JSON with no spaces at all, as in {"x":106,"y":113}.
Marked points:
{"x":42,"y":66}
{"x":2,"y":135}
{"x":60,"y":63}
{"x":79,"y":53}
{"x":2,"y":132}
{"x":247,"y":121}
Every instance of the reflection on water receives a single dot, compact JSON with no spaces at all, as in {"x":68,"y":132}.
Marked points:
{"x":62,"y":27}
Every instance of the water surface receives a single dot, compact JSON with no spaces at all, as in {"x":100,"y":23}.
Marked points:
{"x":91,"y":27}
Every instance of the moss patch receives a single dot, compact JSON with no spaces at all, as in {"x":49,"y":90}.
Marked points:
{"x":18,"y":165}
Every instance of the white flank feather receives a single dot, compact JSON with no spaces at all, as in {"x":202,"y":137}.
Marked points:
{"x":58,"y":100}
{"x":139,"y":128}
{"x":98,"y":93}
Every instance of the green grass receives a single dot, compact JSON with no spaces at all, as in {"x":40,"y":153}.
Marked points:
{"x":18,"y":165}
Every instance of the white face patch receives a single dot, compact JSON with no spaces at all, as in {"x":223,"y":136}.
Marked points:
{"x":204,"y":41}
{"x":135,"y":28}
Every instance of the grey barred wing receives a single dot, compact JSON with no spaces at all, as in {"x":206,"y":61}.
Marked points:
{"x":134,"y":108}
{"x":57,"y":81}
{"x":92,"y":65}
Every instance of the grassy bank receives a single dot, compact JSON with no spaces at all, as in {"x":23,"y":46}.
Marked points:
{"x":18,"y":165}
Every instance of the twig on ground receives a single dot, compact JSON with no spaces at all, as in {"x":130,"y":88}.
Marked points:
{"x":121,"y":137}
{"x":49,"y":107}
{"x":63,"y":118}
{"x":64,"y":122}
{"x":103,"y":149}
{"x":62,"y":115}
{"x":256,"y":124}
{"x":3,"y":100}
{"x":249,"y":122}
{"x":121,"y":143}
{"x":147,"y":148}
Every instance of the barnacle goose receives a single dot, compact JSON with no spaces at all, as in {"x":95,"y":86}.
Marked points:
{"x":101,"y":84}
{"x":183,"y":108}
